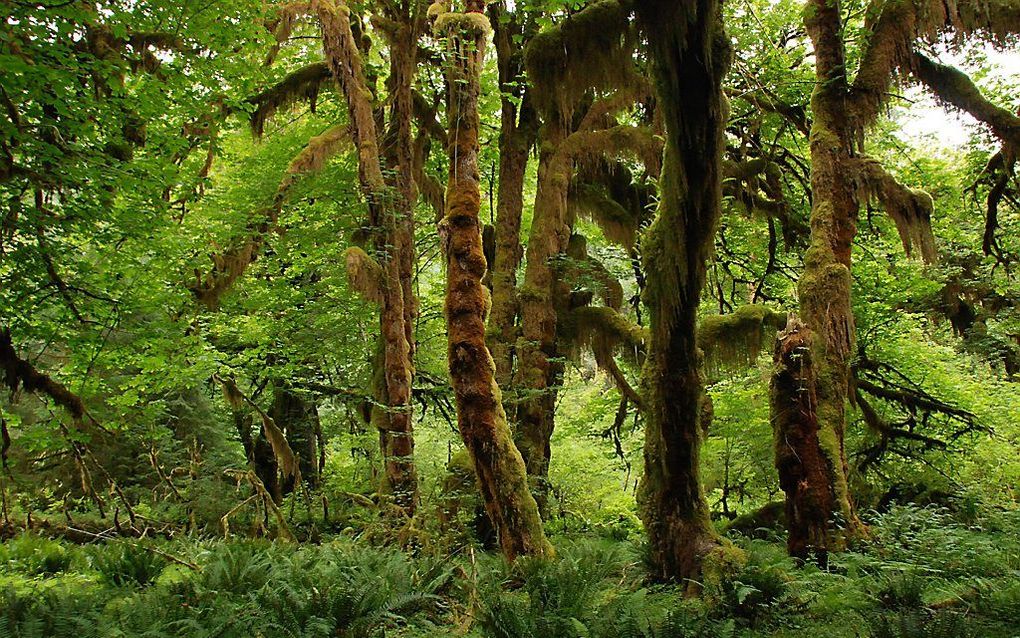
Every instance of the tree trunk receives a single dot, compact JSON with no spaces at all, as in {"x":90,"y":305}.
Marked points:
{"x":516,"y":137}
{"x":690,"y":55}
{"x":814,"y":418}
{"x":260,"y":455}
{"x":804,"y":471}
{"x":501,"y":473}
{"x":389,"y":210}
{"x":299,"y":419}
{"x":539,"y":371}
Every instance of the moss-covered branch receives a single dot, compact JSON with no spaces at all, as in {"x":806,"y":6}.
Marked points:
{"x":736,"y":339}
{"x":19,"y":373}
{"x":231,"y":263}
{"x":911,"y":209}
{"x":301,"y":85}
{"x":897,"y":24}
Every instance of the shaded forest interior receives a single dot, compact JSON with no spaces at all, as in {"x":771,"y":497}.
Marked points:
{"x":657,"y":318}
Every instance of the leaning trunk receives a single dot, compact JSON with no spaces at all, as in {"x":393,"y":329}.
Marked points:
{"x":689,"y":54}
{"x":498,"y":464}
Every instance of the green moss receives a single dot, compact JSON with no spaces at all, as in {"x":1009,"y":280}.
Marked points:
{"x":588,"y":50}
{"x":471,"y":24}
{"x":719,"y":567}
{"x":738,"y":338}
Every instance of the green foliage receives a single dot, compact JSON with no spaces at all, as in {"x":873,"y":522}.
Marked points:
{"x":124,"y":564}
{"x":36,"y":555}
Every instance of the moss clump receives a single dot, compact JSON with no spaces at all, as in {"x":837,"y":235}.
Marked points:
{"x":911,"y":209}
{"x":719,"y":567}
{"x":589,"y":50}
{"x":737,"y":339}
{"x":470,"y":24}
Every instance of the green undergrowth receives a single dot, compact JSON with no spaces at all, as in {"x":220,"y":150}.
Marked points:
{"x":924,"y":572}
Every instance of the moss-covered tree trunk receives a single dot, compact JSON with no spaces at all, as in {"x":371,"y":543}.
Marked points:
{"x":690,"y":55}
{"x":539,"y":369}
{"x":259,"y":453}
{"x":298,"y":417}
{"x":502,"y":478}
{"x":389,"y":211}
{"x":809,"y":389}
{"x":516,"y":137}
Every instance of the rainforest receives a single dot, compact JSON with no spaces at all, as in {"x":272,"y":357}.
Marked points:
{"x":510,"y":318}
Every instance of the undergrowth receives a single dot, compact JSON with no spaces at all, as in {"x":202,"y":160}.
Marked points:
{"x":926,"y":572}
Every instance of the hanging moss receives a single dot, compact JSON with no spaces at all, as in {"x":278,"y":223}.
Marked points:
{"x":616,"y":222}
{"x":909,"y":208}
{"x":589,"y":50}
{"x":736,"y":339}
{"x":591,"y":325}
{"x":365,"y":274}
{"x":586,"y":148}
{"x":300,"y":85}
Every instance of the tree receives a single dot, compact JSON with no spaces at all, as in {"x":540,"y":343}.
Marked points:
{"x":502,"y":478}
{"x":689,"y":53}
{"x":813,"y":366}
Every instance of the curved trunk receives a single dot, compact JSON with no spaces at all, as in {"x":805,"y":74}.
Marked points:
{"x":502,"y":478}
{"x":689,"y":54}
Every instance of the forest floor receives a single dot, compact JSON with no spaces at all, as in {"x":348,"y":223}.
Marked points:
{"x":925,"y":572}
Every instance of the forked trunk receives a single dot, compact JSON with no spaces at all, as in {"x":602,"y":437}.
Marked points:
{"x":389,"y":211}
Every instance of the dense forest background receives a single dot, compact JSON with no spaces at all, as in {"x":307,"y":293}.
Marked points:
{"x":542,"y":318}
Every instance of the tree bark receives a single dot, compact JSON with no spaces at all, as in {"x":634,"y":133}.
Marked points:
{"x":502,"y":478}
{"x":810,"y":422}
{"x":516,"y":137}
{"x":804,"y":470}
{"x":389,"y":209}
{"x":690,"y":55}
{"x":298,"y":417}
{"x":539,"y":371}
